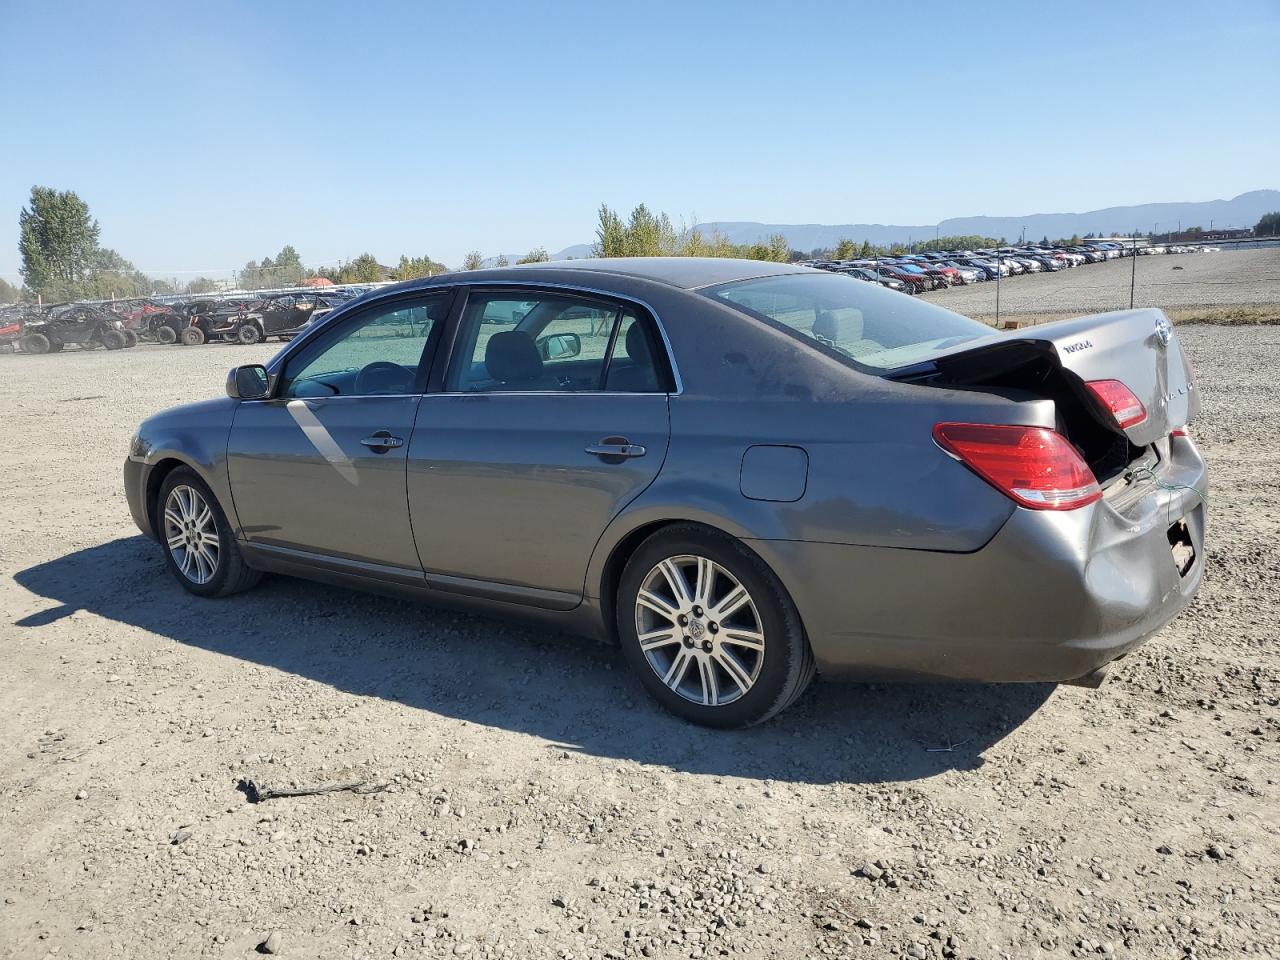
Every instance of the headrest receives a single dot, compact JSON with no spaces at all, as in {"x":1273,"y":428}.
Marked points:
{"x":512,"y":356}
{"x":637,"y":342}
{"x":824,"y":327}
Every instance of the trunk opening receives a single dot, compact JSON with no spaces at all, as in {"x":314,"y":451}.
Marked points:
{"x":1032,"y":369}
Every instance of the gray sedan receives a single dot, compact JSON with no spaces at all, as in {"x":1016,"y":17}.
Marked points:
{"x":743,"y":473}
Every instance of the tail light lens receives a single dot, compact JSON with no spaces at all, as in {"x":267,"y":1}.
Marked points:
{"x":1180,"y":432}
{"x":1119,"y":401}
{"x":1034,"y":466}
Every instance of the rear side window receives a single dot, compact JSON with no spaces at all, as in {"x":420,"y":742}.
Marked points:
{"x":551,"y":343}
{"x":852,"y":319}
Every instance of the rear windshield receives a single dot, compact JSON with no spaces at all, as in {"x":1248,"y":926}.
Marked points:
{"x":855,"y":320}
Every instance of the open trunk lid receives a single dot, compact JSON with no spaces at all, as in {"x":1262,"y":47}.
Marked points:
{"x":1056,"y":360}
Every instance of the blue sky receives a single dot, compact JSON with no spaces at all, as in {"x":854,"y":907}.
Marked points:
{"x":206,"y":135}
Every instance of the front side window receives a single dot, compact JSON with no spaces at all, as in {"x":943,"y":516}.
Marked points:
{"x":379,"y":353}
{"x":551,"y":342}
{"x":854,"y":320}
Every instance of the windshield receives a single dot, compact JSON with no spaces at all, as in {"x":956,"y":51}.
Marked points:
{"x":861,"y":322}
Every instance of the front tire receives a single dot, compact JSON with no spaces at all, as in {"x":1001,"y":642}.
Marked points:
{"x":130,"y":338}
{"x":249,"y":334}
{"x":193,"y":336}
{"x":35,"y":343}
{"x":113,"y":339}
{"x":166,"y":334}
{"x":710,"y":630}
{"x":199,"y":546}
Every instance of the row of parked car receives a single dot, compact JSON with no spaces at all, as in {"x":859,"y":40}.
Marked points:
{"x":918,"y":272}
{"x":119,"y":324}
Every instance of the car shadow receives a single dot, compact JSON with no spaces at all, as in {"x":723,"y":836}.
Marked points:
{"x":570,"y":691}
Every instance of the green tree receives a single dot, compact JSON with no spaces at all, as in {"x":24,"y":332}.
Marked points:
{"x":201,"y":285}
{"x":8,"y":292}
{"x":611,"y":235}
{"x":1268,"y":226}
{"x":536,"y":255}
{"x":779,"y":249}
{"x":410,"y":268}
{"x":58,"y":240}
{"x":363,"y":269}
{"x":866,"y":251}
{"x":502,"y":261}
{"x":844,"y":250}
{"x":473,"y":261}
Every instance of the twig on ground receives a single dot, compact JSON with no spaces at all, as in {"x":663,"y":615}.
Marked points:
{"x":257,"y":792}
{"x":949,"y":748}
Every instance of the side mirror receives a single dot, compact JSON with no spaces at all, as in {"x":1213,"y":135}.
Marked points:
{"x":248,"y":382}
{"x":559,"y":346}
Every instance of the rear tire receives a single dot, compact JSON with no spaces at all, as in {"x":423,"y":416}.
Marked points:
{"x":200,"y":550}
{"x":249,"y":334}
{"x":742,"y":664}
{"x":35,"y":343}
{"x":130,"y":338}
{"x":112,"y":339}
{"x":193,"y":336}
{"x":166,"y":334}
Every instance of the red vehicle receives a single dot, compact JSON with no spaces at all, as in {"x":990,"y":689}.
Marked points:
{"x":151,"y":320}
{"x":911,"y":282}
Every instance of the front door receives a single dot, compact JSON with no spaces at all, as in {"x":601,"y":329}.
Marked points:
{"x":553,"y":418}
{"x":320,"y":467}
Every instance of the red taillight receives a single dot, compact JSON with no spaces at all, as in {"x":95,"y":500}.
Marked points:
{"x":1034,"y":466}
{"x":1180,"y":432}
{"x":1119,"y":401}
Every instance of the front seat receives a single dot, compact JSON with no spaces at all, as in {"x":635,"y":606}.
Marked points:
{"x":512,"y":359}
{"x":825,"y":328}
{"x":639,"y":374}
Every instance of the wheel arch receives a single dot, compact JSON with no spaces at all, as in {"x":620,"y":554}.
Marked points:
{"x":614,"y":561}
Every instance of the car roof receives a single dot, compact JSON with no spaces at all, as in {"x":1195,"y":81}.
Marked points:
{"x":688,"y":273}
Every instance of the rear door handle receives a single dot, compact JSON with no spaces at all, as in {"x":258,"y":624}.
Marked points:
{"x":615,"y":447}
{"x":382,"y":441}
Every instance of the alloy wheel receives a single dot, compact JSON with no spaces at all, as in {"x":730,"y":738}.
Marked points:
{"x":191,"y":533}
{"x":699,"y":629}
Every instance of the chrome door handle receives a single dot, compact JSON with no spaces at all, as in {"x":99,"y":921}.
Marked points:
{"x":382,"y":441}
{"x":615,"y":447}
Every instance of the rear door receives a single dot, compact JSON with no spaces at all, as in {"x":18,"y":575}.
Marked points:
{"x":552,"y":418}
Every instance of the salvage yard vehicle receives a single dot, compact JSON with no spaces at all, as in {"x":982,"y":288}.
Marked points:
{"x":222,"y":319}
{"x":150,"y":320}
{"x":758,"y":471}
{"x":288,"y":314}
{"x":49,"y":329}
{"x":10,"y":330}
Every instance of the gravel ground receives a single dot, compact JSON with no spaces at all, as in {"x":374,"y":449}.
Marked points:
{"x":538,"y":805}
{"x":1170,"y":281}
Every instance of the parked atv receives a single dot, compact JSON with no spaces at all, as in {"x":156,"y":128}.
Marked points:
{"x":159,"y":322}
{"x":79,"y":324}
{"x":286,"y":315}
{"x":218,"y":320}
{"x":10,"y":330}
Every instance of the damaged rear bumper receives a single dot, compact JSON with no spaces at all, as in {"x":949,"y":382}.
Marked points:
{"x":1054,"y":596}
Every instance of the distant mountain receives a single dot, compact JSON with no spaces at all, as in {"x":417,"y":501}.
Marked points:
{"x":568,"y":253}
{"x":1242,"y":211}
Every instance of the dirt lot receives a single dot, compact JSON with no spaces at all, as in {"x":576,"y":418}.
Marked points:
{"x":1219,"y":286}
{"x":538,"y":805}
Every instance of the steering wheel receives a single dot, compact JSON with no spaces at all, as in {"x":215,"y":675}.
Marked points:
{"x":382,"y":376}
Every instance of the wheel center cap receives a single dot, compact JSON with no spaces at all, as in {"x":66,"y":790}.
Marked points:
{"x":696,"y":629}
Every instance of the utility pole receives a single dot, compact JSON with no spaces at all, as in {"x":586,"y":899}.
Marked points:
{"x":998,"y":272}
{"x":1133,"y":267}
